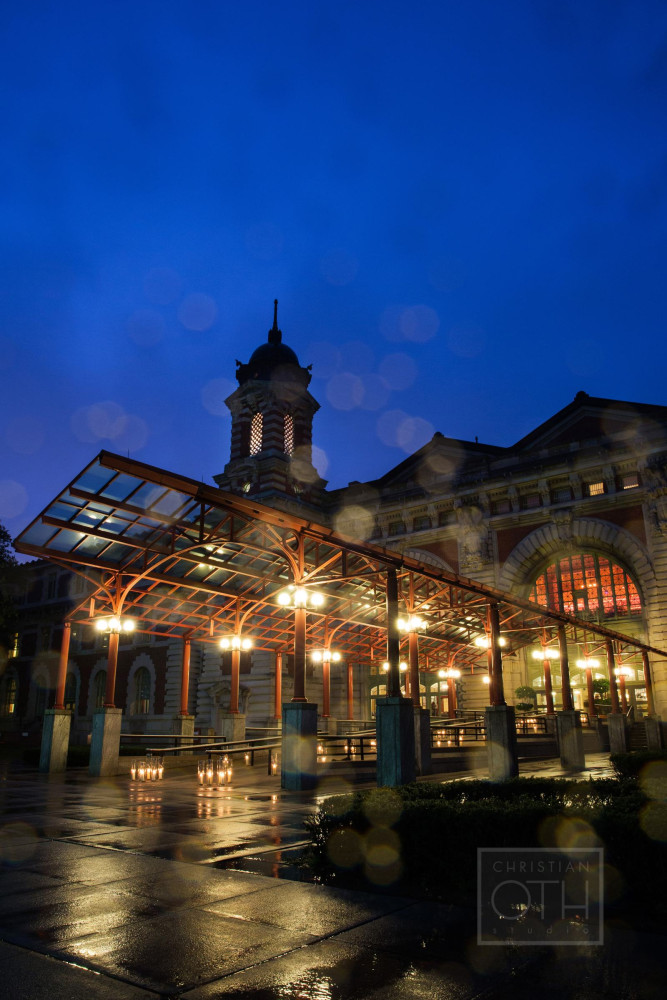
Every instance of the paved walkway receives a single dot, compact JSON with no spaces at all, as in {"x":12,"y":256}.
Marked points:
{"x":120,"y":890}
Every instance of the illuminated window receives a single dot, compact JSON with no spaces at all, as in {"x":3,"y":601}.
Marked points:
{"x":587,"y":585}
{"x":595,"y":489}
{"x":289,"y":434}
{"x":501,"y":507}
{"x":9,"y":698}
{"x":629,"y":482}
{"x":256,"y":434}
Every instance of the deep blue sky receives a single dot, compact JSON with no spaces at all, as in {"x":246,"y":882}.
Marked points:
{"x":461,"y":207}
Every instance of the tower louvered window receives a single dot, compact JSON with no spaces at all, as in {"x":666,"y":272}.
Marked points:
{"x":256,"y":434}
{"x":289,"y":434}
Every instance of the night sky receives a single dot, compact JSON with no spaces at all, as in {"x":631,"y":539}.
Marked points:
{"x":461,"y":207}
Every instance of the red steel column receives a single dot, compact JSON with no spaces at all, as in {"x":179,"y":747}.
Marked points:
{"x":299,"y":654}
{"x":112,"y":664}
{"x":413,"y":661}
{"x":566,"y":687}
{"x":393,"y":638}
{"x":350,"y":690}
{"x":497,"y":692}
{"x":62,"y":666}
{"x":615,"y":707}
{"x":185,"y":676}
{"x":650,"y":703}
{"x":326,"y":688}
{"x":451,"y":698}
{"x":235,"y":680}
{"x":277,"y":705}
{"x":548,"y":688}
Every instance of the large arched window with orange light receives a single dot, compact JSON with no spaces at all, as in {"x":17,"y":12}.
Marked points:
{"x":588,"y":585}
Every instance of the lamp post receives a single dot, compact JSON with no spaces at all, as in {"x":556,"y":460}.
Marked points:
{"x":624,"y":674}
{"x":546,"y":654}
{"x":589,"y":665}
{"x":113,"y":627}
{"x":452,"y":676}
{"x":326,"y":657}
{"x":235,"y":643}
{"x":412,"y":624}
{"x":300,"y":599}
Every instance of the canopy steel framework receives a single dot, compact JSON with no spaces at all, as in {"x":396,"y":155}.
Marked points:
{"x":190,"y":561}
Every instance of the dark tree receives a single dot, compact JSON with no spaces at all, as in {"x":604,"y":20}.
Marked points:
{"x":8,"y":582}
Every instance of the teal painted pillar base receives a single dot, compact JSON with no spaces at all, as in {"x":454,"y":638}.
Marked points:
{"x":395,"y":733}
{"x":570,"y":741}
{"x":422,"y":740}
{"x":501,"y":742}
{"x":55,"y":740}
{"x":299,"y":746}
{"x":653,"y":732}
{"x":105,"y":742}
{"x":618,"y":735}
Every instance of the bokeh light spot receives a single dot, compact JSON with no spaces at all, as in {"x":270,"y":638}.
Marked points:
{"x":419,"y":324}
{"x":354,"y":521}
{"x":213,"y":396}
{"x":413,"y":433}
{"x":376,"y":392}
{"x":345,"y":391}
{"x":198,"y":312}
{"x":320,"y":460}
{"x":388,"y":425}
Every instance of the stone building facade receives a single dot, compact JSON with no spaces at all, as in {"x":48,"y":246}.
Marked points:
{"x":573,"y":516}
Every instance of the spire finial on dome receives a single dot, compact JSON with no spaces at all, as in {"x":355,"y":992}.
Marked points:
{"x":275,"y":335}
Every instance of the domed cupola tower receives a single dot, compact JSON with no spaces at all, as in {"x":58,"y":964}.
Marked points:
{"x":272,"y":420}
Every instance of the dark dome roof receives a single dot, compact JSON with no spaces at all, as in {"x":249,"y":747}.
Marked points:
{"x":273,"y":360}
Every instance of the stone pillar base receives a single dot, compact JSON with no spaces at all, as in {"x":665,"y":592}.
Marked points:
{"x":183,"y":725}
{"x":395,"y":729}
{"x":653,"y":732}
{"x":329,"y":726}
{"x":232,"y":727}
{"x":55,"y":740}
{"x":501,"y":742}
{"x":422,"y":725}
{"x":618,"y":737}
{"x":570,"y":741}
{"x":105,"y":742}
{"x":299,"y":746}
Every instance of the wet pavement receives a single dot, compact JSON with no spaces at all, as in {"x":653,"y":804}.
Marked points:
{"x":115,"y":889}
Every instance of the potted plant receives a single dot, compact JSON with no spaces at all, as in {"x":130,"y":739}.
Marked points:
{"x":527,"y":696}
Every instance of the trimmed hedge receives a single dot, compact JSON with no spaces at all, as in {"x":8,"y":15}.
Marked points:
{"x":423,"y":838}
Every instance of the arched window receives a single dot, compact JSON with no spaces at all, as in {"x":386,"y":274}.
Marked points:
{"x":99,"y":689}
{"x":289,"y":434}
{"x":141,"y":702}
{"x":70,"y":691}
{"x":587,"y":585}
{"x":256,"y":434}
{"x":9,"y":696}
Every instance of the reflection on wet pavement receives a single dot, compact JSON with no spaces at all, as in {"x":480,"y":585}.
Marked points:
{"x":118,"y":890}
